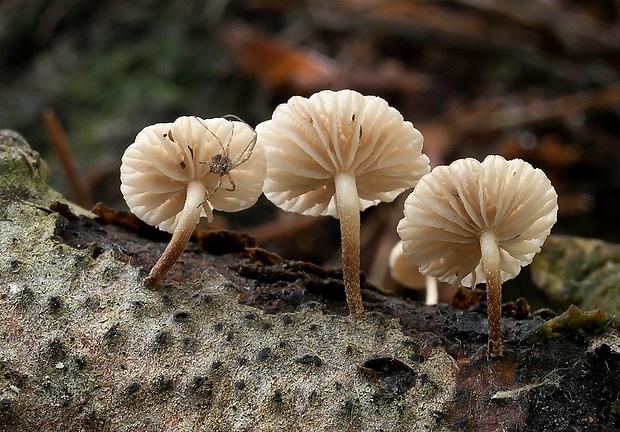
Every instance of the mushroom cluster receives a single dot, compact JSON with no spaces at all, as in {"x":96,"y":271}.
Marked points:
{"x":176,"y":173}
{"x":337,"y":153}
{"x":473,"y":222}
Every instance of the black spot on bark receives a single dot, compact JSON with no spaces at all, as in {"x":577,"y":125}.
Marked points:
{"x":309,"y":359}
{"x":263,"y":354}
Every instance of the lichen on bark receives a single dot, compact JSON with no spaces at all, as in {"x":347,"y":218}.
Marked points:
{"x":236,"y":339}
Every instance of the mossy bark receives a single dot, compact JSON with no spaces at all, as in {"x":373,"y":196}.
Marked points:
{"x":235,"y":338}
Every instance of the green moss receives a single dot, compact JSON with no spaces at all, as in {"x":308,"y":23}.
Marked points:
{"x":574,"y":320}
{"x":580,"y":271}
{"x":24,"y":177}
{"x":24,"y":174}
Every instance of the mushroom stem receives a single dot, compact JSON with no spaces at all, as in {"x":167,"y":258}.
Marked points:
{"x":348,"y":205}
{"x":189,"y":217}
{"x":432,"y":292}
{"x":490,"y":266}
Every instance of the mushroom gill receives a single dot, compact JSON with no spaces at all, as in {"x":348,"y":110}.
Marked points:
{"x":337,"y":153}
{"x":473,"y":222}
{"x":172,"y":175}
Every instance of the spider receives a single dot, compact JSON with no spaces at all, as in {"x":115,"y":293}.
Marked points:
{"x":221,"y":164}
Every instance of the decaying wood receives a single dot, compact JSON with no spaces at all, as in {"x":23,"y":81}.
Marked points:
{"x":236,"y":338}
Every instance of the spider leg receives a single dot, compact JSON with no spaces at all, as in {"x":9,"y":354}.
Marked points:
{"x":219,"y":141}
{"x":232,"y":183}
{"x":247,"y":151}
{"x":217,"y":186}
{"x":245,"y":154}
{"x":232,"y":117}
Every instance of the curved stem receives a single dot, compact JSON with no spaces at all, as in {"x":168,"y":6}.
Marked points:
{"x":347,"y":201}
{"x":190,"y":215}
{"x":490,"y":266}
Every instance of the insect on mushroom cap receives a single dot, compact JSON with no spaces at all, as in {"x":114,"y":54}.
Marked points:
{"x":165,"y":157}
{"x":309,"y":140}
{"x":453,"y":205}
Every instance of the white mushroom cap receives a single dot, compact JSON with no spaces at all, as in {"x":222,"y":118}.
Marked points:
{"x":157,"y":168}
{"x":175,"y":173}
{"x":453,"y":205}
{"x":471,"y":222}
{"x":308,"y":141}
{"x":337,"y":153}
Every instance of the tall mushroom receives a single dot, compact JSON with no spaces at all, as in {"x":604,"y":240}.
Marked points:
{"x":337,"y":153}
{"x":176,"y":173}
{"x":473,"y":222}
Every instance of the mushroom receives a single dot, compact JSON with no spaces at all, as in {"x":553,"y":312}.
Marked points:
{"x":407,"y":274}
{"x":337,"y":153}
{"x":473,"y":222}
{"x":176,"y":173}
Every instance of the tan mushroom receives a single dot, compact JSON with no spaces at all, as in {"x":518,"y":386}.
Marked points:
{"x":176,"y":173}
{"x":407,"y":274}
{"x":337,"y":153}
{"x":473,"y":222}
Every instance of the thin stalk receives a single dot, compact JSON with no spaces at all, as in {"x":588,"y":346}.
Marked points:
{"x":348,"y":205}
{"x":490,"y":266}
{"x":432,"y":292}
{"x":190,"y":216}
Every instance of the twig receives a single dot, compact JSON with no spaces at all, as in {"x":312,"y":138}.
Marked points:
{"x":60,"y":144}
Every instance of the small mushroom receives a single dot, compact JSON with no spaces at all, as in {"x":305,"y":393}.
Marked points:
{"x":407,"y":274}
{"x":176,"y":173}
{"x":473,"y":222}
{"x":337,"y":153}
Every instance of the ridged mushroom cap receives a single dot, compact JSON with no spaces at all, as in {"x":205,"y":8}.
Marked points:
{"x":157,"y":167}
{"x":309,"y":140}
{"x":453,"y":205}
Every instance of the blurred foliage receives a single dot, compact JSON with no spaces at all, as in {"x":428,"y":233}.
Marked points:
{"x":108,"y":69}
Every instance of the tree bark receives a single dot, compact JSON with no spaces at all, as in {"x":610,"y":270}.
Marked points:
{"x":237,"y":339}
